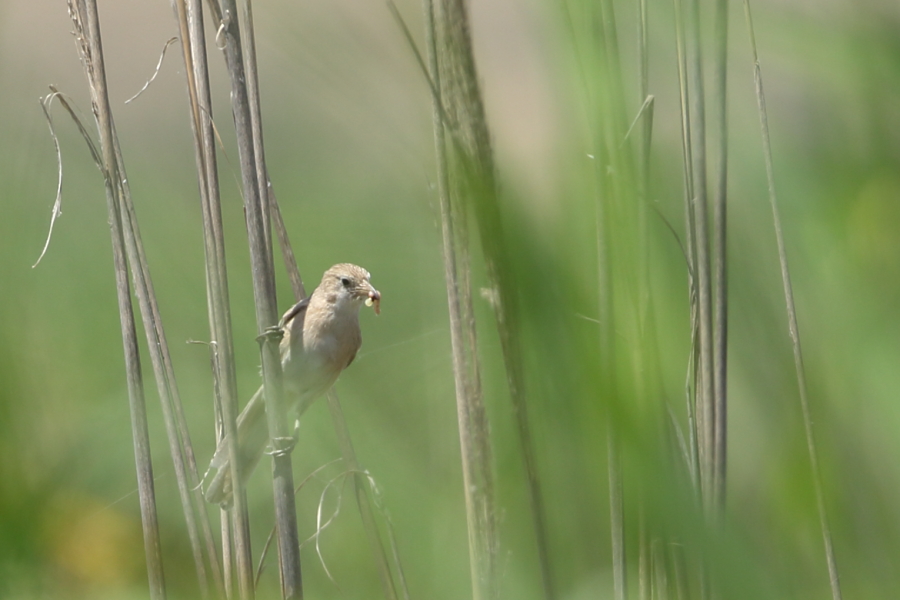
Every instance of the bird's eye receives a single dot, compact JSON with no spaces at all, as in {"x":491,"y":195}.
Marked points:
{"x":345,"y":281}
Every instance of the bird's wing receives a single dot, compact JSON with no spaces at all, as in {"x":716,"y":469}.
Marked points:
{"x":291,"y":326}
{"x":297,"y":310}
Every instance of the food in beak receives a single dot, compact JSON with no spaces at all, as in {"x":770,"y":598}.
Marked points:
{"x":374,"y":299}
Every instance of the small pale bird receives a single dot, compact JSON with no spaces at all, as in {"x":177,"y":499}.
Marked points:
{"x":321,"y":338}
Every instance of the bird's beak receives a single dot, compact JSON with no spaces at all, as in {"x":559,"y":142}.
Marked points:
{"x":374,"y":299}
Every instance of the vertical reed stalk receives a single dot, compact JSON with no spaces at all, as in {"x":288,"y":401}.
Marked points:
{"x":180,"y":447}
{"x":243,"y":77}
{"x":720,"y":251}
{"x":176,"y":426}
{"x":622,"y":256}
{"x":617,"y":515}
{"x":793,"y":328}
{"x":235,"y":535}
{"x":473,"y":178}
{"x":248,"y":45}
{"x":608,"y":375}
{"x":703,"y":405}
{"x":646,"y":391}
{"x":87,"y":29}
{"x":704,"y":393}
{"x":685,"y":95}
{"x":474,"y":433}
{"x":283,"y":478}
{"x":189,"y":15}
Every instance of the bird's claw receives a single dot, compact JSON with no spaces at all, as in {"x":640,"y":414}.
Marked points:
{"x":275,"y":332}
{"x":282,"y":446}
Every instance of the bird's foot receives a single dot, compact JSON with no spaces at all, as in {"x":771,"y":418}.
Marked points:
{"x":282,"y":446}
{"x":275,"y":332}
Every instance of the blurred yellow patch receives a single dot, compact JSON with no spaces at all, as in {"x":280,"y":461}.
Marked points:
{"x":94,"y":545}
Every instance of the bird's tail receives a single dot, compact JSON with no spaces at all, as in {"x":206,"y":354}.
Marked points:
{"x":252,"y":438}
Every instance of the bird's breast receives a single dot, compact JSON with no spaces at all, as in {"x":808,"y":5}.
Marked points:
{"x":314,"y":364}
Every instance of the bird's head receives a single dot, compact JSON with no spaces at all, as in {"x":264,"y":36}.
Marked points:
{"x":347,"y":287}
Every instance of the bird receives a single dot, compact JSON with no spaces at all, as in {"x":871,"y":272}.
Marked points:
{"x":321,"y":336}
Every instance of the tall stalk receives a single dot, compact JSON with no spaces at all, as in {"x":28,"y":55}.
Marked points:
{"x":245,"y":108}
{"x":690,"y":241}
{"x":793,"y":328}
{"x":86,"y":20}
{"x":474,"y":433}
{"x":720,"y":250}
{"x":189,"y":15}
{"x":236,"y":554}
{"x":647,"y":390}
{"x":704,"y":391}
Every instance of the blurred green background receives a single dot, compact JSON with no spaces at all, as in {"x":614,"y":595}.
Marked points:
{"x":349,"y":146}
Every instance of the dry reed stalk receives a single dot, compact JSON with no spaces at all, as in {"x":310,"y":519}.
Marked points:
{"x":86,"y":20}
{"x":235,"y":536}
{"x":793,"y":328}
{"x":189,"y":15}
{"x":472,"y":179}
{"x":475,"y":443}
{"x":704,"y":392}
{"x":245,"y":107}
